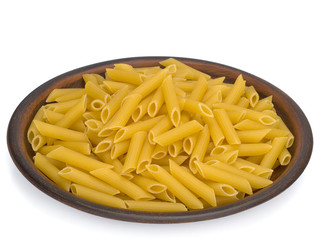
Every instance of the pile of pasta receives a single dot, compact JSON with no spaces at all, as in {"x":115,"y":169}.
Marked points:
{"x":167,"y":138}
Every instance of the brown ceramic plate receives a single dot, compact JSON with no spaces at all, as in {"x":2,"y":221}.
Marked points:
{"x":295,"y":119}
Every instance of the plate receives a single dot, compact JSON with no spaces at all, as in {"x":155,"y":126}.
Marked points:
{"x":21,"y":152}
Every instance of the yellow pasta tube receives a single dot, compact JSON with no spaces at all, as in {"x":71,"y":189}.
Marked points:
{"x":119,"y":149}
{"x":215,"y":130}
{"x":226,"y":126}
{"x":252,"y":136}
{"x":93,"y":77}
{"x":91,"y":115}
{"x":227,"y":157}
{"x":243,"y":102}
{"x":124,"y":67}
{"x":277,"y":146}
{"x":180,"y":159}
{"x":264,"y":104}
{"x":283,"y":126}
{"x":154,"y":82}
{"x":186,"y":86}
{"x":96,"y":92}
{"x":51,"y":171}
{"x":212,"y":90}
{"x":189,"y":143}
{"x":145,"y":157}
{"x":113,"y":105}
{"x":223,"y":200}
{"x":215,"y":81}
{"x":250,"y":114}
{"x":71,"y":96}
{"x":94,"y":125}
{"x":104,"y":145}
{"x":257,"y":169}
{"x":141,"y":109}
{"x":61,"y":92}
{"x":215,"y":174}
{"x":32,"y":130}
{"x":53,"y":117}
{"x":44,"y":150}
{"x":252,"y":95}
{"x":93,"y":137}
{"x":191,"y":72}
{"x":105,"y":157}
{"x":124,"y":185}
{"x":166,"y":196}
{"x":128,"y":131}
{"x":147,"y":70}
{"x":134,"y":149}
{"x":248,"y":124}
{"x":61,"y":107}
{"x":162,"y":126}
{"x":173,"y":185}
{"x":156,"y":103}
{"x":159,"y":152}
{"x":199,"y":90}
{"x":175,"y":148}
{"x":249,"y":149}
{"x":193,"y":106}
{"x":131,"y":77}
{"x":171,"y":100}
{"x":96,"y":196}
{"x":192,"y":183}
{"x":76,"y":176}
{"x":52,"y":131}
{"x":89,"y":77}
{"x":118,"y":167}
{"x":122,"y":116}
{"x":148,"y":184}
{"x":96,"y":105}
{"x":76,"y":159}
{"x":284,"y":157}
{"x":155,"y":206}
{"x":222,"y":189}
{"x":200,"y":148}
{"x":236,"y":91}
{"x":82,"y":147}
{"x":236,"y":116}
{"x":37,"y":142}
{"x":178,"y":133}
{"x":255,"y":181}
{"x":215,"y":97}
{"x":114,"y":87}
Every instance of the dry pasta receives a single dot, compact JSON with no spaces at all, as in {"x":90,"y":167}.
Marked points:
{"x":167,"y":138}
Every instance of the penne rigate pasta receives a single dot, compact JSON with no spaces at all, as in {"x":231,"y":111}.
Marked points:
{"x":96,"y":196}
{"x":76,"y":176}
{"x":166,"y":138}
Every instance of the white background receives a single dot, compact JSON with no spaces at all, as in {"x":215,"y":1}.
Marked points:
{"x":278,"y":41}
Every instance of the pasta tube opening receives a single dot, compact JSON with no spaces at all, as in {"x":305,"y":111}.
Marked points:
{"x":152,"y":109}
{"x":267,"y":120}
{"x":94,"y":125}
{"x":157,"y":188}
{"x":228,"y":190}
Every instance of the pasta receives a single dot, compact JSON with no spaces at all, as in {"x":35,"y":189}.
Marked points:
{"x":177,"y":188}
{"x":87,"y":180}
{"x":171,"y":100}
{"x":96,"y":196}
{"x":166,"y":138}
{"x":134,"y":149}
